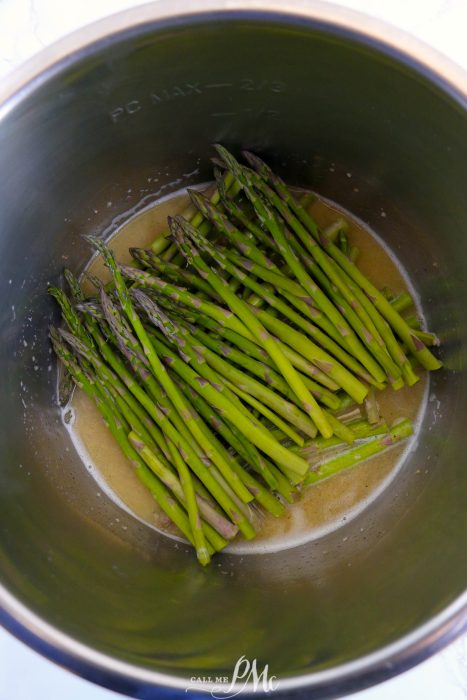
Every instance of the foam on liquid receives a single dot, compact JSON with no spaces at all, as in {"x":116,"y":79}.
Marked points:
{"x":322,"y":507}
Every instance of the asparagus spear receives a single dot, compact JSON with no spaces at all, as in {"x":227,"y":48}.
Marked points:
{"x":172,"y":272}
{"x":182,"y":230}
{"x":251,"y":349}
{"x":65,"y":388}
{"x":335,"y":230}
{"x":248,"y":451}
{"x":243,"y":447}
{"x":267,"y":216}
{"x":424,"y":356}
{"x":160,"y":373}
{"x":290,"y":288}
{"x":314,"y":353}
{"x":131,"y":349}
{"x":188,"y":491}
{"x":401,"y":302}
{"x":364,"y":318}
{"x":343,"y":242}
{"x":259,"y":368}
{"x":162,"y":242}
{"x":324,"y":361}
{"x":218,"y":369}
{"x":192,"y":355}
{"x":361,"y":429}
{"x":212,"y":392}
{"x":372,"y":408}
{"x":200,"y":468}
{"x":152,"y":437}
{"x":356,"y":303}
{"x":116,"y":426}
{"x":232,"y":208}
{"x":252,"y":429}
{"x":140,"y":366}
{"x":222,"y":316}
{"x":248,"y":248}
{"x":262,"y":291}
{"x":359,"y":311}
{"x":355,"y":455}
{"x":267,"y":413}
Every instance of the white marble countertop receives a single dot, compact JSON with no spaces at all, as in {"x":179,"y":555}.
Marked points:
{"x":26,"y":26}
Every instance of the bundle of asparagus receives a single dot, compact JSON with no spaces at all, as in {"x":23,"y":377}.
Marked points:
{"x":237,"y":351}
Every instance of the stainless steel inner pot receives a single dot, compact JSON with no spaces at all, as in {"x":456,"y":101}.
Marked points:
{"x":127,"y":110}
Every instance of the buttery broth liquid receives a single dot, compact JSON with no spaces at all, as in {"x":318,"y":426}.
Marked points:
{"x":321,"y":507}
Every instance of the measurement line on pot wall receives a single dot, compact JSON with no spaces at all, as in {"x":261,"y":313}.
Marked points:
{"x":188,"y":89}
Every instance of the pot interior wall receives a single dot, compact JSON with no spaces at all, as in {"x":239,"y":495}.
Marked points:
{"x":135,"y":119}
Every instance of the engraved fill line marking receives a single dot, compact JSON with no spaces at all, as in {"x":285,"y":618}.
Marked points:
{"x":218,"y":85}
{"x":223,"y":114}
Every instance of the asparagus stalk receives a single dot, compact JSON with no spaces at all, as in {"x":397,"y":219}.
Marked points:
{"x":116,"y":425}
{"x":182,"y":230}
{"x":355,"y":455}
{"x":232,"y":208}
{"x":372,"y":408}
{"x":268,"y":218}
{"x":243,"y":342}
{"x":201,"y":468}
{"x":164,"y":451}
{"x":258,"y":462}
{"x":188,"y":491}
{"x":257,"y":391}
{"x":285,"y":285}
{"x":354,"y":332}
{"x":401,"y":302}
{"x":362,"y":429}
{"x":424,"y":356}
{"x":262,"y":291}
{"x":131,"y":349}
{"x":343,"y":242}
{"x":160,"y":373}
{"x":65,"y":388}
{"x":140,"y":367}
{"x":224,"y":317}
{"x":335,"y":230}
{"x":361,"y":315}
{"x":262,"y":370}
{"x":162,"y":242}
{"x":376,"y":326}
{"x":213,"y":393}
{"x":248,"y":451}
{"x":356,"y":388}
{"x":315,"y":354}
{"x":196,"y":351}
{"x":261,"y":408}
{"x":247,"y":248}
{"x":172,"y":272}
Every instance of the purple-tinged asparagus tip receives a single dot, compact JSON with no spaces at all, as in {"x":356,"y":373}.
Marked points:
{"x":218,"y":162}
{"x":256,"y":163}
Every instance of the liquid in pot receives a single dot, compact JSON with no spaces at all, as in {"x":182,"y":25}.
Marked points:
{"x":321,"y":507}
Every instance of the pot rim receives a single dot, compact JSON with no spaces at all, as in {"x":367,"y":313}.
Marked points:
{"x":30,"y":628}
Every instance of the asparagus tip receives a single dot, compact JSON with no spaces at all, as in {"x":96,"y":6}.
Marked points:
{"x":256,"y":163}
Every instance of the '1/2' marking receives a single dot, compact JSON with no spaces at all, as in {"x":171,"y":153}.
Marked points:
{"x":261,"y":112}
